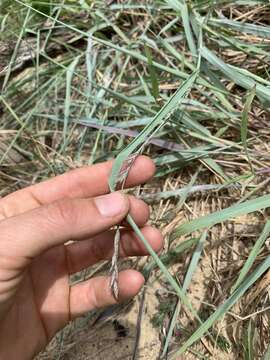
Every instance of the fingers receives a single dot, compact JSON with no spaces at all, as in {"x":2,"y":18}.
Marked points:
{"x":96,"y":292}
{"x":28,"y":235}
{"x":139,"y":211}
{"x":80,"y":183}
{"x":88,"y":252}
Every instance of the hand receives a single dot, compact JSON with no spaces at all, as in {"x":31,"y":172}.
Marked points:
{"x":35,"y":262}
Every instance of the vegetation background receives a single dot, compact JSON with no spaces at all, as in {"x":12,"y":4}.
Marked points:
{"x":79,"y":80}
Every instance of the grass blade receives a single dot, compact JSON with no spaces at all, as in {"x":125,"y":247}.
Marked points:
{"x":194,"y":261}
{"x":217,"y":217}
{"x":152,"y":72}
{"x":221,"y":311}
{"x":233,"y":74}
{"x":15,"y":52}
{"x":252,"y":256}
{"x":69,"y":75}
{"x":158,"y":120}
{"x":164,"y":270}
{"x":170,"y":255}
{"x":257,"y":30}
{"x":249,"y":342}
{"x":181,"y":6}
{"x":191,"y":269}
{"x":244,"y":122}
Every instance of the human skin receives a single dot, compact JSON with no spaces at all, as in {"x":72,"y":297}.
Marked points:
{"x":36,"y":299}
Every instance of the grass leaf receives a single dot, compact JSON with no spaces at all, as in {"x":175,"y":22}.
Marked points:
{"x":244,"y":122}
{"x":223,"y":215}
{"x":249,"y":28}
{"x":233,"y":74}
{"x":252,"y":256}
{"x":223,"y":309}
{"x":69,"y":75}
{"x":158,"y":120}
{"x":191,"y":269}
{"x":152,"y":72}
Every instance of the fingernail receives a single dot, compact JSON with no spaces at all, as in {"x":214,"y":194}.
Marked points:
{"x":112,"y":204}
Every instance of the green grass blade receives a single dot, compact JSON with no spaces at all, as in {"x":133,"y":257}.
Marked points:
{"x":223,"y":309}
{"x":244,"y":122}
{"x":257,"y":30}
{"x":249,"y":342}
{"x":152,"y":72}
{"x":216,"y":168}
{"x":188,"y":31}
{"x":15,"y":51}
{"x":158,"y":120}
{"x":69,"y":75}
{"x":164,"y":270}
{"x":252,"y":256}
{"x":114,"y":27}
{"x":235,"y":75}
{"x":171,"y":255}
{"x":181,"y":6}
{"x":171,"y":328}
{"x":89,"y":60}
{"x":194,"y":261}
{"x":185,"y":193}
{"x":223,"y":215}
{"x":191,"y":270}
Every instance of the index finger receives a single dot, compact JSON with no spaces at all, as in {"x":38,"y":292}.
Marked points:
{"x":84,"y":182}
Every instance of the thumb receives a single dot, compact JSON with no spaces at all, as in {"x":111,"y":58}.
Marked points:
{"x":28,"y":235}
